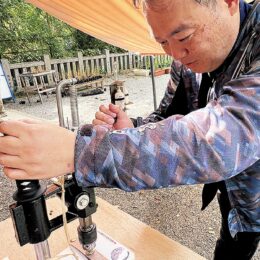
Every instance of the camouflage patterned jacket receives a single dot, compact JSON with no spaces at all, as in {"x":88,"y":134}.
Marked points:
{"x":220,"y":141}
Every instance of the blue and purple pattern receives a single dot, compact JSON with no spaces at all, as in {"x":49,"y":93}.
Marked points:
{"x":218,"y":142}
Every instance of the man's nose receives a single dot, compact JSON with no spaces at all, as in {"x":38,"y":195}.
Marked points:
{"x":178,"y":52}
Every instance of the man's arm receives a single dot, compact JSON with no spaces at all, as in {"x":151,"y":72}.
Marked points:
{"x":207,"y":145}
{"x":114,"y":118}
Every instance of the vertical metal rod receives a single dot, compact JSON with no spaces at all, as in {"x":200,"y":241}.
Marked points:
{"x":62,"y":84}
{"x":42,"y":250}
{"x":153,"y":81}
{"x":74,"y":106}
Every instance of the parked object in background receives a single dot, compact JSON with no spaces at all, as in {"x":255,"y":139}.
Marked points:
{"x":141,"y":72}
{"x":168,"y":70}
{"x":92,"y":82}
{"x":117,"y":93}
{"x":38,"y":79}
{"x":159,"y":72}
{"x":120,"y":98}
{"x":91,"y":92}
{"x":5,"y":89}
{"x":125,"y":91}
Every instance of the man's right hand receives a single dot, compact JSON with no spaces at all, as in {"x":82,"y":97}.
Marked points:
{"x":113,"y":117}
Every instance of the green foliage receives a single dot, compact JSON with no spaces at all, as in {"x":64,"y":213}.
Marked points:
{"x":162,"y":63}
{"x":91,"y":46}
{"x":27,"y":33}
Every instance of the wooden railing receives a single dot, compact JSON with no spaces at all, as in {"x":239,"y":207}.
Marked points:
{"x":79,"y":66}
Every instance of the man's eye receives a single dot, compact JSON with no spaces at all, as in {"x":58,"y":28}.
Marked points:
{"x":185,"y":38}
{"x":164,"y":43}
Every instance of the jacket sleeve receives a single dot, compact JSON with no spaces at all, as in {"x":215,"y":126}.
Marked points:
{"x":208,"y":145}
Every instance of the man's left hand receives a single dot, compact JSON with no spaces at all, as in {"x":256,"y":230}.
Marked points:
{"x":36,"y":150}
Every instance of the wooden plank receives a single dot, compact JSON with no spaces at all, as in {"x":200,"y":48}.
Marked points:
{"x":87,"y":68}
{"x":111,"y":65}
{"x":74,"y":70}
{"x":92,"y":66}
{"x":57,"y":61}
{"x":17,"y":78}
{"x":81,"y":64}
{"x":143,"y":63}
{"x":97,"y":67}
{"x":94,"y":57}
{"x":39,"y":68}
{"x":47,"y":62}
{"x":62,"y":71}
{"x":138,"y":61}
{"x":125,"y":62}
{"x":121,"y":65}
{"x":103,"y":64}
{"x":130,"y":60}
{"x":69,"y":74}
{"x":108,"y":62}
{"x":26,"y":64}
{"x":135,"y":61}
{"x":57,"y":74}
{"x":147,"y":62}
{"x":26,"y":80}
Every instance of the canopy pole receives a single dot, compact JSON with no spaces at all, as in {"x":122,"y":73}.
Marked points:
{"x":153,"y":81}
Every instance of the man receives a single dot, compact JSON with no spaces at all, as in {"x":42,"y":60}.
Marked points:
{"x":205,"y":132}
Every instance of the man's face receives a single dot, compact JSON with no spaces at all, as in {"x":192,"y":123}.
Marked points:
{"x":199,"y":37}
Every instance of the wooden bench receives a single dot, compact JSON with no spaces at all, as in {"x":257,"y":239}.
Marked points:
{"x":39,"y":85}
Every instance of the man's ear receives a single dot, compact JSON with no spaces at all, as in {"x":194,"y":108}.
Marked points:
{"x":233,"y":6}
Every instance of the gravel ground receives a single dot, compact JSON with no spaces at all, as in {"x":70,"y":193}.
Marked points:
{"x":174,"y":212}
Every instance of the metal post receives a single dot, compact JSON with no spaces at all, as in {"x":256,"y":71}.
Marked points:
{"x":74,"y":106}
{"x":42,"y":250}
{"x":153,"y":82}
{"x":62,"y":84}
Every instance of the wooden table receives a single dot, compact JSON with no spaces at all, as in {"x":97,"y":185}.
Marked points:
{"x":39,"y":84}
{"x":144,"y":241}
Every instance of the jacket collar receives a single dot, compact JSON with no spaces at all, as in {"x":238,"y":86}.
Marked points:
{"x":247,"y":26}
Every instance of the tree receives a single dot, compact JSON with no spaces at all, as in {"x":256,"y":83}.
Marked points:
{"x":27,"y":33}
{"x":92,"y":46}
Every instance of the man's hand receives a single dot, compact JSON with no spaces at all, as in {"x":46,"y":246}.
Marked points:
{"x":112,"y":117}
{"x":36,"y":150}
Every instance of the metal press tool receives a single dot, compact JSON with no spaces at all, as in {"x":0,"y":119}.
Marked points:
{"x":29,"y":213}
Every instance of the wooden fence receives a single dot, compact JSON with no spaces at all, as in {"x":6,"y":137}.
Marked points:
{"x":79,"y":66}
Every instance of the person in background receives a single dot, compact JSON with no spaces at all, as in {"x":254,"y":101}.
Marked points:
{"x":206,"y":129}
